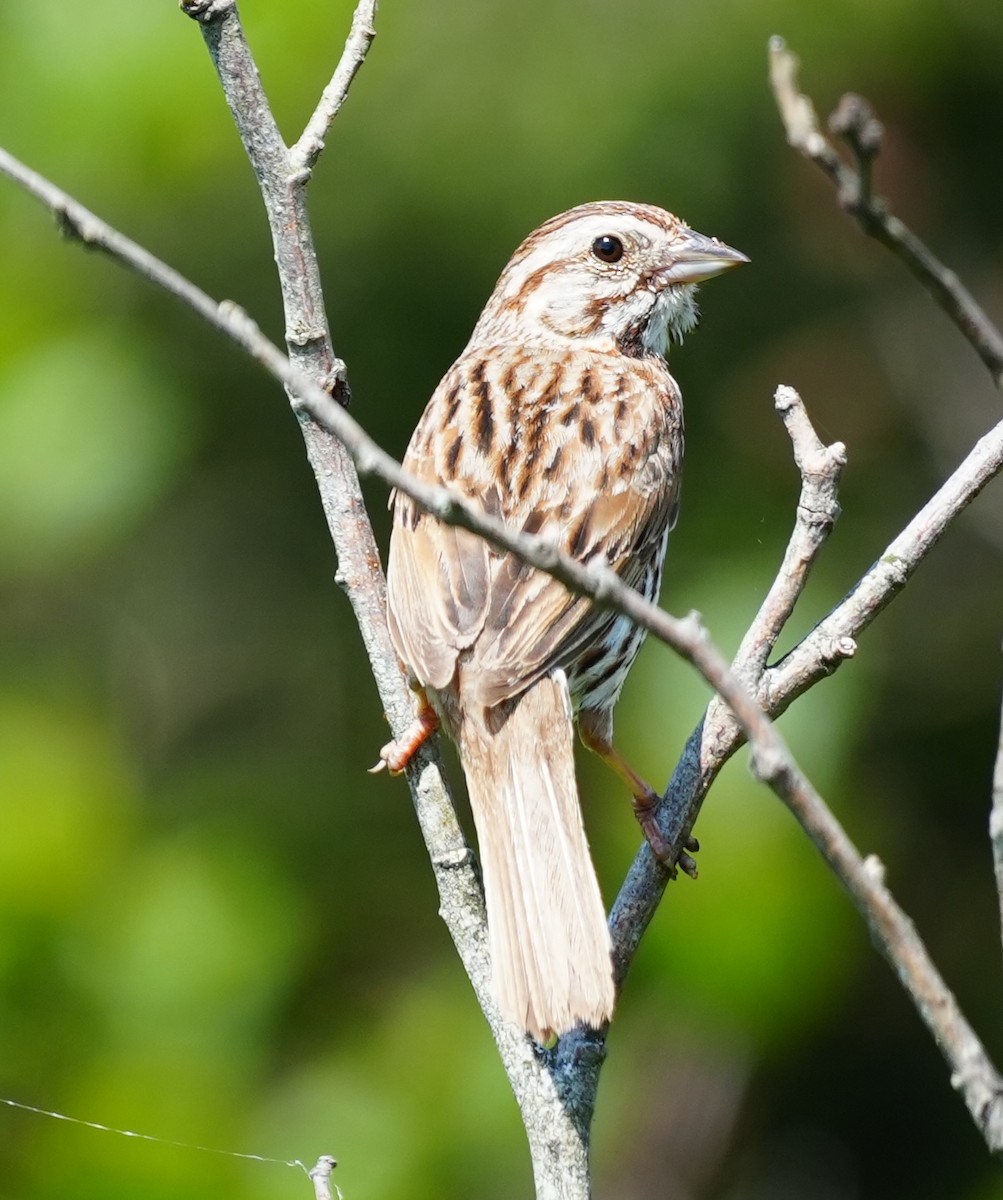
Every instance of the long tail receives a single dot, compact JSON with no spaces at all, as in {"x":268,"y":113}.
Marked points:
{"x":550,"y":947}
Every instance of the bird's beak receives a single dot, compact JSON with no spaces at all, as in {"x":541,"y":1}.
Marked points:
{"x":696,"y":257}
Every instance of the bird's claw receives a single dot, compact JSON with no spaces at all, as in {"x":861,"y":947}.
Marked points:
{"x":396,"y":756}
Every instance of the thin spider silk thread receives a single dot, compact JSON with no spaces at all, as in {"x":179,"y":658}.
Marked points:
{"x":149,"y":1137}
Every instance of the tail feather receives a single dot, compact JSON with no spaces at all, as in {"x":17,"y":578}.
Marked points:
{"x":550,"y":947}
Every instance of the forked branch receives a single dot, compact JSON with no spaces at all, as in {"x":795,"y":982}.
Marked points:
{"x":855,"y":122}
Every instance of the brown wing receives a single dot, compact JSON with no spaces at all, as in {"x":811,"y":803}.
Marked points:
{"x":584,"y":450}
{"x":437,"y":575}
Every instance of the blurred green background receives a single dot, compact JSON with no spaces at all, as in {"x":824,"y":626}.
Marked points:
{"x":214,"y":925}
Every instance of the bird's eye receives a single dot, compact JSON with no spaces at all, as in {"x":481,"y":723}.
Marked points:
{"x":608,"y":249}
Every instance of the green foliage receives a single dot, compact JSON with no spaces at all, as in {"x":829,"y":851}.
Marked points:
{"x":112,"y":442}
{"x":214,"y":926}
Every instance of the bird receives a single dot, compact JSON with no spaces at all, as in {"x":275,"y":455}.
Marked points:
{"x":560,"y":417}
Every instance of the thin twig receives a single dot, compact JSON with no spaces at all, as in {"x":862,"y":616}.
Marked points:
{"x":856,"y":123}
{"x":360,"y":37}
{"x":817,"y":511}
{"x":972,"y":1072}
{"x":834,"y":638}
{"x":320,"y":1177}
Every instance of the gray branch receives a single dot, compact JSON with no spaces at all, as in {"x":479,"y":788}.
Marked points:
{"x":337,"y":447}
{"x":320,"y":1177}
{"x":818,"y":655}
{"x":856,"y":123}
{"x":360,"y":37}
{"x":719,"y":735}
{"x":817,"y":511}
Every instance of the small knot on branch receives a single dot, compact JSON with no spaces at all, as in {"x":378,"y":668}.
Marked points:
{"x":320,"y":1177}
{"x":854,"y":120}
{"x":336,"y":384}
{"x":454,"y":860}
{"x":874,"y":869}
{"x":206,"y":11}
{"x":834,"y":651}
{"x":785,"y":398}
{"x":69,"y":226}
{"x":692,"y":626}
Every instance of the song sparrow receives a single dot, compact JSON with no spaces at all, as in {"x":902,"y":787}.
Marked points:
{"x":561,"y":418}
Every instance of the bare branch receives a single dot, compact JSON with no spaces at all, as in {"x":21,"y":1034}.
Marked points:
{"x":556,"y":1111}
{"x":320,"y":1177}
{"x":817,"y":511}
{"x":336,"y":446}
{"x":360,"y":37}
{"x":283,"y":190}
{"x":972,"y":1072}
{"x":719,"y":735}
{"x":855,"y":121}
{"x":830,"y":643}
{"x":833,"y":639}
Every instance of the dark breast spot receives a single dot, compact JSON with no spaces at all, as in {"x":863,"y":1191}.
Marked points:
{"x":505,"y":464}
{"x":533,"y":446}
{"x":485,"y":417}
{"x":591,"y":657}
{"x":453,"y":456}
{"x":570,"y":414}
{"x":452,"y":403}
{"x":508,"y":379}
{"x":589,"y":387}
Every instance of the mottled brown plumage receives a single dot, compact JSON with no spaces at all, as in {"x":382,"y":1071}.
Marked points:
{"x":561,"y":418}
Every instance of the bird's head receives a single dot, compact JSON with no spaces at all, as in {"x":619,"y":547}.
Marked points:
{"x":606,"y":275}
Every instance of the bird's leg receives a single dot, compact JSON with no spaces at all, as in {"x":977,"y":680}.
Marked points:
{"x":396,"y":756}
{"x":596,"y":729}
